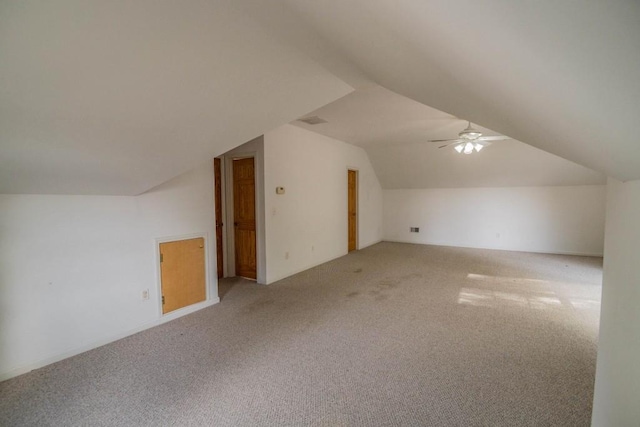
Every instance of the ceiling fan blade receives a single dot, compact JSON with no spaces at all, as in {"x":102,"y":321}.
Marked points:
{"x":493,"y":138}
{"x":444,"y":140}
{"x":453,"y":142}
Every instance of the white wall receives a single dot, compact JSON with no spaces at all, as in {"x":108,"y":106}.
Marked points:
{"x":309,"y":221}
{"x":536,"y":219}
{"x":73,"y":267}
{"x":180,"y":208}
{"x":618,"y":372}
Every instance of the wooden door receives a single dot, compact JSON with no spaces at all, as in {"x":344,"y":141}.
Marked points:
{"x":218,"y":201}
{"x":352,"y":206}
{"x":182,"y":273}
{"x":244,"y":217}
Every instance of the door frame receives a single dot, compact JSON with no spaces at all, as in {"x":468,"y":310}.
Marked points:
{"x":223,"y":208}
{"x":228,"y":234}
{"x":357,"y":171}
{"x":208,"y":283}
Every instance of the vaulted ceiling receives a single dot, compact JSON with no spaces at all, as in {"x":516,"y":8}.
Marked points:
{"x":395,"y":131}
{"x":117,"y":97}
{"x":561,"y":76}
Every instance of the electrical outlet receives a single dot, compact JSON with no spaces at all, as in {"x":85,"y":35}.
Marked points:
{"x":145,"y":294}
{"x":286,"y":255}
{"x":312,"y":248}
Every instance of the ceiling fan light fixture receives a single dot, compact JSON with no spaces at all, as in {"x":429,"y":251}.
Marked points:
{"x":469,"y":140}
{"x":470,"y":133}
{"x":468,"y":147}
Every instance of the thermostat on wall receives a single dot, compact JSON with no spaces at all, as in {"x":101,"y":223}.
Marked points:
{"x":279,"y":190}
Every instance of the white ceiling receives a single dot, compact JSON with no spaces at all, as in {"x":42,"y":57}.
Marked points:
{"x":561,"y":76}
{"x":374,"y":115}
{"x":394,"y":130}
{"x":116,"y":97}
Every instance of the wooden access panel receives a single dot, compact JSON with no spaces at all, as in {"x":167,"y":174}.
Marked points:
{"x":218,"y":202}
{"x":182,"y":273}
{"x":244,"y":217}
{"x":352,"y":205}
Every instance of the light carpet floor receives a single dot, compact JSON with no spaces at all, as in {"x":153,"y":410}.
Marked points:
{"x":391,"y":335}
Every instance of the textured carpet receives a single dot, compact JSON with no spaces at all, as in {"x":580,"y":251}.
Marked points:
{"x":395,"y":334}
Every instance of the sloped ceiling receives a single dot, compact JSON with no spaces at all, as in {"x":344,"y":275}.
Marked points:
{"x":561,"y":76}
{"x":395,"y":130}
{"x":116,"y":97}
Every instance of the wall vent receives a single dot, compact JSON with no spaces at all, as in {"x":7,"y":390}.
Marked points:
{"x":414,"y":229}
{"x":313,"y":120}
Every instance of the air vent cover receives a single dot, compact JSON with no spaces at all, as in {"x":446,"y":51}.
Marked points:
{"x":313,"y":120}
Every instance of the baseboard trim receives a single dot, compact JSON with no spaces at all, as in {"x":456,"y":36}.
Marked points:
{"x":320,"y":262}
{"x":300,"y":270}
{"x":597,"y":255}
{"x":99,"y":343}
{"x":370,"y":244}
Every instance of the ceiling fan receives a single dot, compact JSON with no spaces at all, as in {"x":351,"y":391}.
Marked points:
{"x":469,"y":139}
